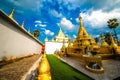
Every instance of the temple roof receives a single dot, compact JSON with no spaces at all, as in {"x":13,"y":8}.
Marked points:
{"x":60,"y":34}
{"x":82,"y":31}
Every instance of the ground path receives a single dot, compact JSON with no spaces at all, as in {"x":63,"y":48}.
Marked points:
{"x":17,"y":69}
{"x":112,"y":68}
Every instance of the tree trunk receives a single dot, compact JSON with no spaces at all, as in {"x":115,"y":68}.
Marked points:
{"x":116,"y":36}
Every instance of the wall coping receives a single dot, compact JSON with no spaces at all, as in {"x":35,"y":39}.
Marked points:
{"x":13,"y":22}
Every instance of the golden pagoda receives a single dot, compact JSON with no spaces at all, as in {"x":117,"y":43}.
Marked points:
{"x":83,"y":41}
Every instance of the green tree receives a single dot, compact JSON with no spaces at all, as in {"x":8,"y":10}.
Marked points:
{"x":107,"y":37}
{"x":36,"y":33}
{"x":96,"y":39}
{"x":113,"y":24}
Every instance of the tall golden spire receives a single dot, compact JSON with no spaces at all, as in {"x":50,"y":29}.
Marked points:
{"x":22,"y":25}
{"x":103,"y":43}
{"x":11,"y":14}
{"x":82,"y":30}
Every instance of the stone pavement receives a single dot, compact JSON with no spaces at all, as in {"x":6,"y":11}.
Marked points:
{"x":111,"y":67}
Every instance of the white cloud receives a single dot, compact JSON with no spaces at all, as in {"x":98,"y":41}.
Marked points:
{"x":96,"y":36}
{"x":39,"y":23}
{"x":71,"y":4}
{"x":77,"y":19}
{"x":70,"y":18}
{"x":99,"y":18}
{"x":55,"y":13}
{"x":74,"y":36}
{"x":48,"y":32}
{"x":67,"y":24}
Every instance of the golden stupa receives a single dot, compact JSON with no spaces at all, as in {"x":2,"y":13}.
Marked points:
{"x":84,"y":42}
{"x":44,"y":69}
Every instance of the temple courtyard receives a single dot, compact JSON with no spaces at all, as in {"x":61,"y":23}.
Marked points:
{"x":112,"y":68}
{"x":18,"y":69}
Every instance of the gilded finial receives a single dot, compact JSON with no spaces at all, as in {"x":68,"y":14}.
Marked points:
{"x":103,"y":43}
{"x":22,"y":25}
{"x":29,"y":30}
{"x":11,"y":14}
{"x":80,"y":18}
{"x":46,"y":39}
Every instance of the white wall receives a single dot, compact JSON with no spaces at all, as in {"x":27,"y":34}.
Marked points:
{"x":51,"y":47}
{"x":15,"y":42}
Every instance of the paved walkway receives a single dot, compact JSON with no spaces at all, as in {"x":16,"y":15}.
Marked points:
{"x":19,"y":70}
{"x":111,"y":67}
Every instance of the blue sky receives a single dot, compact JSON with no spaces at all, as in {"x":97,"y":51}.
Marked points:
{"x":48,"y":15}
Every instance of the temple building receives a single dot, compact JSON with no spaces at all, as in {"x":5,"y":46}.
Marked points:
{"x":60,"y":37}
{"x":56,"y":43}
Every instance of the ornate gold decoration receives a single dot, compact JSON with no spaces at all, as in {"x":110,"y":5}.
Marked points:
{"x":44,"y":69}
{"x":103,"y":43}
{"x":11,"y":14}
{"x":29,"y":30}
{"x":22,"y":25}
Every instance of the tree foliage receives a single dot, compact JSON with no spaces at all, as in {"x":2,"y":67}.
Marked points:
{"x":36,"y":33}
{"x":107,"y":37}
{"x":112,"y":24}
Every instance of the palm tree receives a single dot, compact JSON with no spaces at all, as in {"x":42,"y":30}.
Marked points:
{"x":36,"y":33}
{"x":112,"y":24}
{"x":107,"y":37}
{"x":96,"y":39}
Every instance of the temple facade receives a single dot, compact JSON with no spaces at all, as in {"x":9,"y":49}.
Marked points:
{"x":56,"y":43}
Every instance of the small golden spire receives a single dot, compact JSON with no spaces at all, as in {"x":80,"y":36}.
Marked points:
{"x":22,"y":25}
{"x":46,"y":39}
{"x":80,"y":19}
{"x":29,"y":30}
{"x":53,"y":39}
{"x":113,"y":44}
{"x":11,"y":14}
{"x":103,"y":43}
